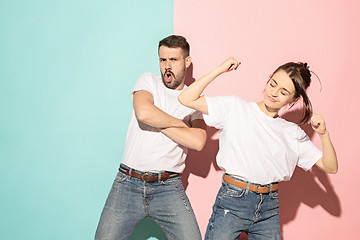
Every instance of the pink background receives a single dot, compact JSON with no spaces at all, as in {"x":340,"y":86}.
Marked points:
{"x":264,"y":35}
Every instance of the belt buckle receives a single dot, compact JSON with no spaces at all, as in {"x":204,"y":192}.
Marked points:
{"x":145,"y":177}
{"x":257,"y":189}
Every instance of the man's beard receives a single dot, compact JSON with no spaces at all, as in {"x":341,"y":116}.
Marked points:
{"x":175,"y":81}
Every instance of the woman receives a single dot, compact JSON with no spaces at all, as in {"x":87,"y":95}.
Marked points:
{"x":258,"y":149}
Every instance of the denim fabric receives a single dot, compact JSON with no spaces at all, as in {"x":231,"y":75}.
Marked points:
{"x":238,"y":210}
{"x":131,"y":200}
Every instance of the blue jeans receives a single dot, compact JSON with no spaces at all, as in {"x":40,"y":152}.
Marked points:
{"x":238,"y":210}
{"x":131,"y":200}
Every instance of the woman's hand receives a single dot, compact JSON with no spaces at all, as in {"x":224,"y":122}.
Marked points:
{"x":318,"y":123}
{"x":229,"y":65}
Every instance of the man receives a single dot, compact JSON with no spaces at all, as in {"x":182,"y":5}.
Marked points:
{"x":148,"y":183}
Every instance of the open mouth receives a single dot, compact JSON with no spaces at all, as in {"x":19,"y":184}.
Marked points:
{"x":168,"y":76}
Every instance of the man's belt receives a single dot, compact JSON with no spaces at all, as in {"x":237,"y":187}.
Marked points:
{"x":148,"y":177}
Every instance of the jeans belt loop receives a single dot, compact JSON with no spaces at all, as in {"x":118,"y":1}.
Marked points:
{"x":130,"y":170}
{"x":247,"y":189}
{"x":159,"y":177}
{"x":271,"y":188}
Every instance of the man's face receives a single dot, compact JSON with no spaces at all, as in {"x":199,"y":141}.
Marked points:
{"x":173,"y":66}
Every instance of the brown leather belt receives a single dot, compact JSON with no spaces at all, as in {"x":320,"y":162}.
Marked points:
{"x":253,"y":187}
{"x":147,"y":177}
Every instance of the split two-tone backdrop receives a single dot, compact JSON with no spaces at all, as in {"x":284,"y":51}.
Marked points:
{"x":67,"y":69}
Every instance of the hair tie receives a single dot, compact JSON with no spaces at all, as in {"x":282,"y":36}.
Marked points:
{"x":317,"y":78}
{"x":305,"y":65}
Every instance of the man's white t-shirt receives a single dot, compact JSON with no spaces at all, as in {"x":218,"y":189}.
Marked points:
{"x":146,"y":148}
{"x":255,"y":147}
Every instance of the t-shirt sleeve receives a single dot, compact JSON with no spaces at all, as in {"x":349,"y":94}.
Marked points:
{"x":196,"y":115}
{"x":145,"y":82}
{"x":219,"y":109}
{"x":309,"y":154}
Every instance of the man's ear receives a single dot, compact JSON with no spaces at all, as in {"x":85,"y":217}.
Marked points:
{"x":187,"y":61}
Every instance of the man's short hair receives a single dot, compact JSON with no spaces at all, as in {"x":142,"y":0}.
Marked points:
{"x":176,"y":41}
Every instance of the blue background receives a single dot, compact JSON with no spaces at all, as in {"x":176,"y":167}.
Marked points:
{"x":67,"y":69}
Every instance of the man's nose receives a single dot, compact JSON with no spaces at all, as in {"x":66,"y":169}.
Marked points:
{"x":167,"y":65}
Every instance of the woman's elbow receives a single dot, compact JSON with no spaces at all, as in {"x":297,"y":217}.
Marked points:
{"x":333,"y":171}
{"x":330,"y":169}
{"x":182,"y":100}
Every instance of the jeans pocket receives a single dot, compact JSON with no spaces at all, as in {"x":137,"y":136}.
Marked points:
{"x":172,"y":181}
{"x":274,"y":195}
{"x":230,"y":191}
{"x":120,"y":177}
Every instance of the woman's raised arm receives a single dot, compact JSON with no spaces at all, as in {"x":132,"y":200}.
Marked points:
{"x":328,"y":162}
{"x":191,"y":98}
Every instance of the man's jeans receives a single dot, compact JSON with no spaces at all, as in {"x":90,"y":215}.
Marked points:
{"x":131,"y":200}
{"x":238,"y":210}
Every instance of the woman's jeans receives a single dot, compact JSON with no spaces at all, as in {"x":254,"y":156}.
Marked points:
{"x":131,"y":200}
{"x":238,"y":210}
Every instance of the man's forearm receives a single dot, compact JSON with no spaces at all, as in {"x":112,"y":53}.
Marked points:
{"x":155,"y":117}
{"x":193,"y":137}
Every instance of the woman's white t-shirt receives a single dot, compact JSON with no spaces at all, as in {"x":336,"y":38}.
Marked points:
{"x":255,"y":147}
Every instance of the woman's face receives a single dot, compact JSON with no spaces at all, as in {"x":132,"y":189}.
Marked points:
{"x":279,"y":91}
